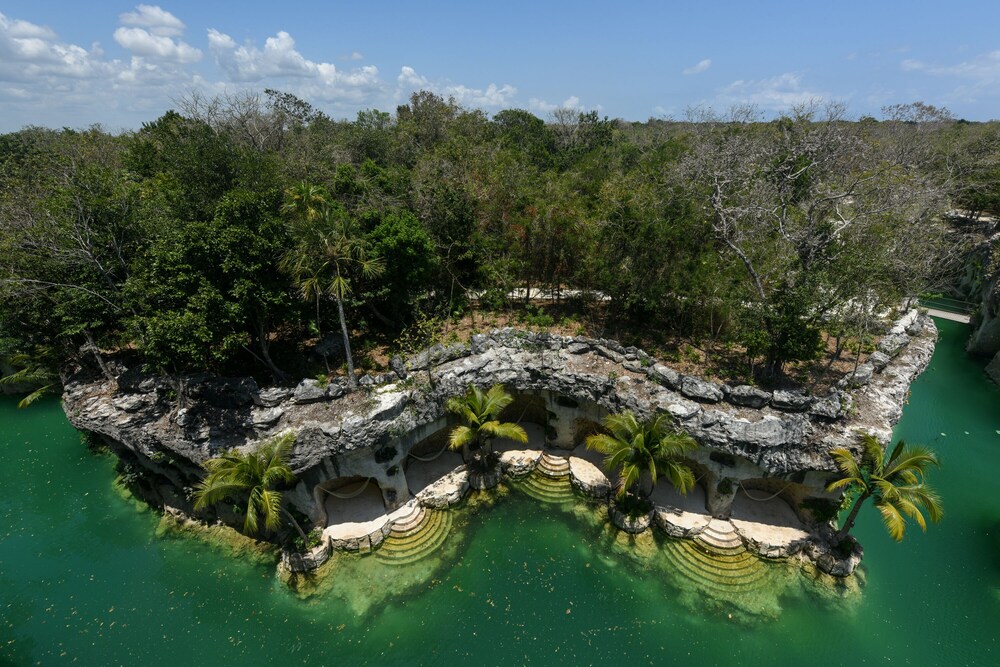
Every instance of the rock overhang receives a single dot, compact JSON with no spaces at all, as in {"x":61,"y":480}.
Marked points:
{"x":783,"y":432}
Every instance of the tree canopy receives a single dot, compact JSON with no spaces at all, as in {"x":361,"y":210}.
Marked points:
{"x":757,"y":233}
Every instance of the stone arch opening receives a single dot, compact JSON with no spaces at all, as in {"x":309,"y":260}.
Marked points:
{"x":695,"y":500}
{"x":769,"y":500}
{"x":429,"y":460}
{"x":526,"y":407}
{"x":349,"y":500}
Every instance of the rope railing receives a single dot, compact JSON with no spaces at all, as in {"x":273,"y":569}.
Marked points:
{"x":764,"y":500}
{"x":430,"y":458}
{"x":348,"y":496}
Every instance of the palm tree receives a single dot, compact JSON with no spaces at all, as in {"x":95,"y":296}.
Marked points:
{"x":31,"y":374}
{"x":480,"y":412}
{"x":253,"y":476}
{"x":642,"y":452}
{"x":304,"y":201}
{"x":328,"y":251}
{"x":895,"y":482}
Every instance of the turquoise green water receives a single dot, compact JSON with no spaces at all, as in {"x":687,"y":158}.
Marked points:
{"x":84,"y":579}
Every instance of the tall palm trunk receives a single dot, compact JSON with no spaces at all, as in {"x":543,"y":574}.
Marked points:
{"x":298,"y":528}
{"x":851,"y":518}
{"x":319,"y":331}
{"x":351,"y":380}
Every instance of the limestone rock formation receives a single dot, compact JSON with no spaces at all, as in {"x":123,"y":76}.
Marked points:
{"x":985,"y":340}
{"x":565,"y":384}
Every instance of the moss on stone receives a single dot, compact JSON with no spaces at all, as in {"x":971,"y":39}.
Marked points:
{"x":221,"y":537}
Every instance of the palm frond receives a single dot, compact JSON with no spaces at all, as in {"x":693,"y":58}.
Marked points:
{"x":461,"y":436}
{"x":495,"y":429}
{"x":927,"y":498}
{"x":254,"y":502}
{"x":842,"y":482}
{"x":893,"y":520}
{"x":627,"y":478}
{"x":845,"y":462}
{"x":34,"y":396}
{"x":603,"y":443}
{"x":270,"y":502}
{"x":680,"y":475}
{"x":207,"y":494}
{"x":252,"y":475}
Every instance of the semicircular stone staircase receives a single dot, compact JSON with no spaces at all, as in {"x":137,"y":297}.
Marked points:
{"x":549,"y":482}
{"x":716,"y":563}
{"x":415,"y":536}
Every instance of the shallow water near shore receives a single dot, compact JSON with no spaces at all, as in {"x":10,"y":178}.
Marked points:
{"x":84,"y":577}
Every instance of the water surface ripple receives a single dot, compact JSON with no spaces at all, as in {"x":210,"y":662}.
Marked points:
{"x":84,"y":577}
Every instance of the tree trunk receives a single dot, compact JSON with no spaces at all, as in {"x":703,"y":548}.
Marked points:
{"x":829,"y":364}
{"x":645,"y":485}
{"x":298,"y":528}
{"x":851,"y":518}
{"x":265,"y":350}
{"x":380,"y":317}
{"x":352,"y":382}
{"x":319,"y":331}
{"x":93,"y":349}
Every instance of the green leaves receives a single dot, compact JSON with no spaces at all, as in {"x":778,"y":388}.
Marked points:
{"x":652,"y":448}
{"x":480,"y":411}
{"x":895,"y":479}
{"x":253,"y":476}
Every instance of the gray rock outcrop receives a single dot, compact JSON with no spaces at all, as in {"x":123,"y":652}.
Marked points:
{"x":746,"y":433}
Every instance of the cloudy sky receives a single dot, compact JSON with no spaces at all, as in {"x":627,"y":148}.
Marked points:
{"x":70,"y":63}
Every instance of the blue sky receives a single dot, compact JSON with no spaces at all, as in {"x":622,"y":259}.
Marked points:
{"x":70,"y":63}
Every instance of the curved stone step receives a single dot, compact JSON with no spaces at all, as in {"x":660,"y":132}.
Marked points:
{"x":410,"y":525}
{"x":553,"y":466}
{"x":725,"y":577}
{"x":715,"y":550}
{"x":414,"y":539}
{"x":547,"y":489}
{"x":716,"y":566}
{"x":414,"y":546}
{"x":721,"y":535}
{"x":414,"y":517}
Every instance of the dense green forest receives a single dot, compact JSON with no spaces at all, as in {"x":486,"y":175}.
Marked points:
{"x":224,"y":236}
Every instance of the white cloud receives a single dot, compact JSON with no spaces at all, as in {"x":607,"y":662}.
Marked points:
{"x":29,"y":51}
{"x":17,"y":28}
{"x":219,"y":41}
{"x":279,"y":59}
{"x":248,"y":63}
{"x":410,"y":81}
{"x":492,"y":96}
{"x":571,"y":102}
{"x":143,"y":43}
{"x":46,"y":80}
{"x":699,"y":68}
{"x":777,"y":93}
{"x":984,"y":68}
{"x":975,"y":79}
{"x":158,"y":21}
